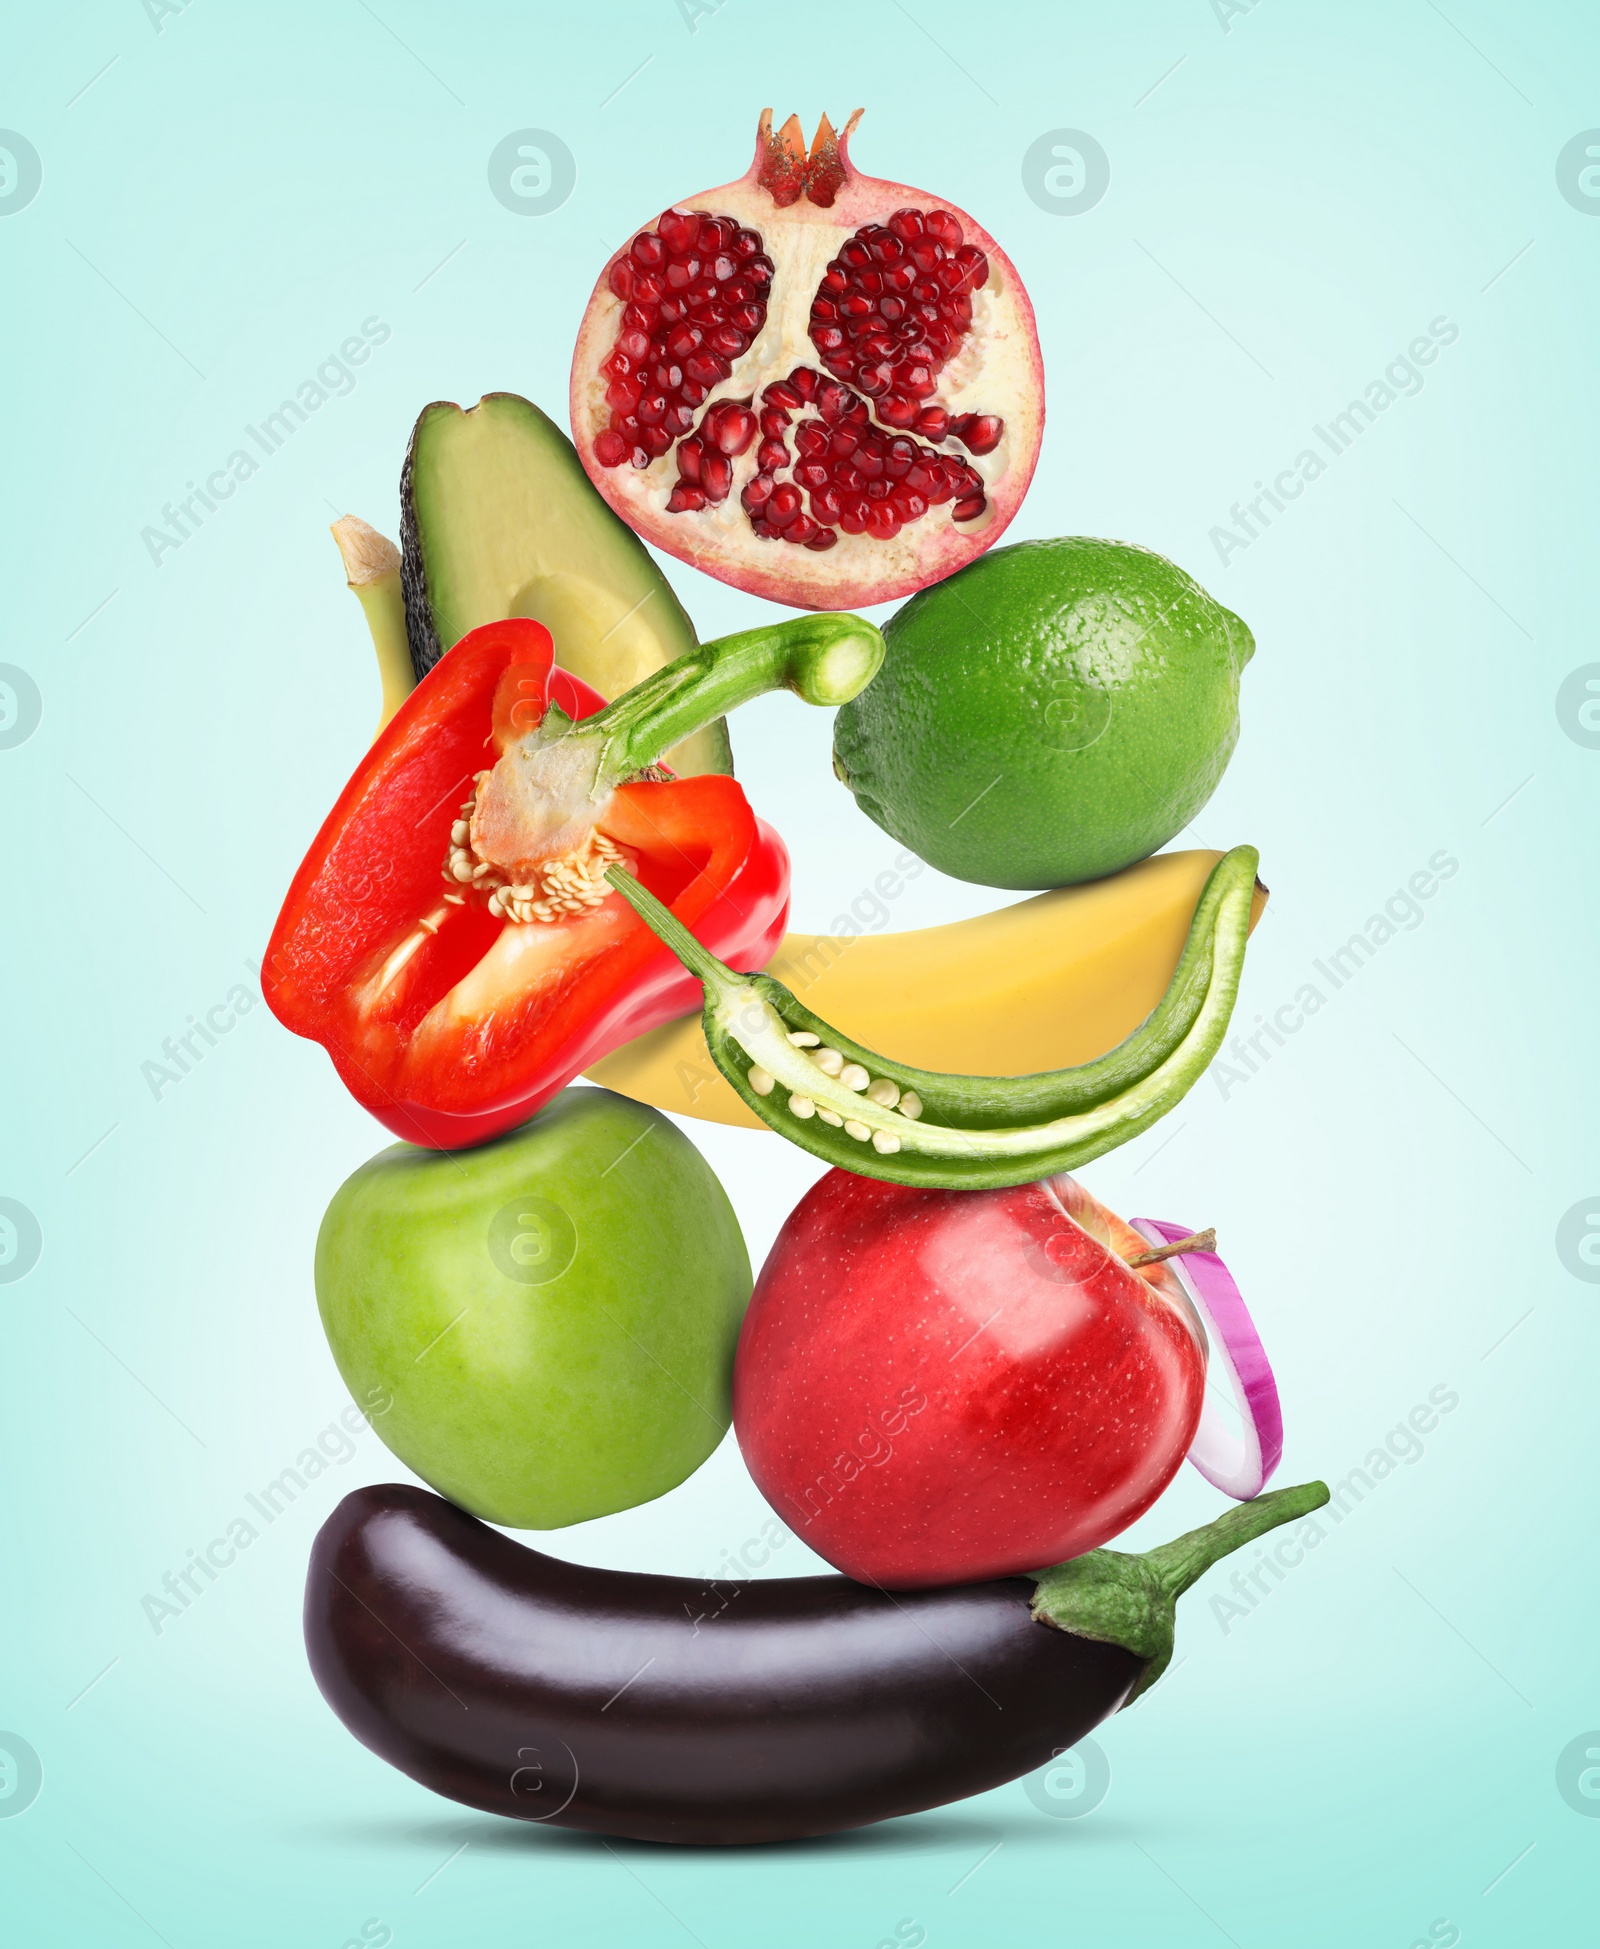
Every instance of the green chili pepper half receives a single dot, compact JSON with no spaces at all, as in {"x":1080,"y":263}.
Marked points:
{"x":879,"y":1118}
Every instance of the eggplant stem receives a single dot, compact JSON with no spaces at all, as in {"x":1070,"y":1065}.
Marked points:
{"x":1116,"y":1598}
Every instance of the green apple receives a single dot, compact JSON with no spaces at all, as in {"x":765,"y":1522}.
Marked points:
{"x":553,"y":1314}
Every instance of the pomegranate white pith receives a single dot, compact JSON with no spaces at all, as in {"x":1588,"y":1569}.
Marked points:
{"x":822,"y":417}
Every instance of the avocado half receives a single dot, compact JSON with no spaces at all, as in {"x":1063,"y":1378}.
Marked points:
{"x":497,"y":519}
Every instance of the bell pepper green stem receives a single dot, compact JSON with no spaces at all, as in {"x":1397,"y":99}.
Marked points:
{"x":866,"y":1113}
{"x":824,"y":659}
{"x":1116,"y":1598}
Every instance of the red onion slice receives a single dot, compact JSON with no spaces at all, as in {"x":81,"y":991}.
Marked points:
{"x":1241,"y":1465}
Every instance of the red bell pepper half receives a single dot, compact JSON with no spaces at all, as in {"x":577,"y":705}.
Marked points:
{"x":451,"y":940}
{"x":451,"y":1021}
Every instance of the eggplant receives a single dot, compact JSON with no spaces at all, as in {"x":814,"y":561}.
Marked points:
{"x":668,"y":1709}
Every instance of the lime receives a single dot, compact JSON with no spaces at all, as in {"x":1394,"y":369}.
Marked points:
{"x":1051,"y":712}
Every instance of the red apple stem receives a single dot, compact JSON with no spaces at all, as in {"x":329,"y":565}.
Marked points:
{"x":1205,"y":1241}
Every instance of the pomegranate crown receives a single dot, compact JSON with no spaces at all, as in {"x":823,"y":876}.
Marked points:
{"x":787,"y":172}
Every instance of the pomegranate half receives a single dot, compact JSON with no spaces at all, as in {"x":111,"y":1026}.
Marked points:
{"x":820,"y":387}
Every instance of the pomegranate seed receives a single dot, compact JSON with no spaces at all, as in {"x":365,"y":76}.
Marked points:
{"x":682,"y":272}
{"x":774,"y":421}
{"x":844,"y":440}
{"x":783,"y":395}
{"x":877,"y":490}
{"x":854,"y":254}
{"x":655,"y":440}
{"x":810,"y":440}
{"x":783,"y":505}
{"x":701,"y":297}
{"x":771,"y":454}
{"x":705,"y":369}
{"x":735,"y":428}
{"x":668,"y":377}
{"x":925,"y":254}
{"x":869,"y":460}
{"x":716,"y":476}
{"x":940,"y":224}
{"x":883,"y":524}
{"x":757,"y":492}
{"x":968,"y":509}
{"x":824,"y":310}
{"x":906,"y":224}
{"x":749,"y":318}
{"x":649,"y":287}
{"x":897,"y":410}
{"x":744,"y":243}
{"x":689,"y":456}
{"x":811,"y":473}
{"x":673,"y":308}
{"x":823,"y":538}
{"x":853,"y":521}
{"x":832,"y":400}
{"x":647,"y":250}
{"x":919,"y":480}
{"x":678,"y":230}
{"x":716,"y":233}
{"x":933,"y":423}
{"x":828,"y":338}
{"x":900,"y":277}
{"x":801,"y":529}
{"x":692,"y":394}
{"x":855,"y":305}
{"x":622,"y":395}
{"x":638,"y":318}
{"x":760,"y":270}
{"x":677,"y":419}
{"x":805,"y":381}
{"x":634,"y":344}
{"x":827,"y":503}
{"x":723,"y":267}
{"x":916,"y":380}
{"x":871,"y":282}
{"x":684,"y":339}
{"x":834,"y":280}
{"x":848,"y":477}
{"x":685,"y":500}
{"x":727,"y":342}
{"x":887,"y":248}
{"x":874,"y":380}
{"x":898,"y":460}
{"x":650,"y":409}
{"x":978,"y":432}
{"x":620,"y":277}
{"x":610,"y":449}
{"x":640,"y":456}
{"x":890,"y":310}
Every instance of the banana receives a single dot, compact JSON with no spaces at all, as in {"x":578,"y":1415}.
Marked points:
{"x":372,"y":572}
{"x":1047,"y":983}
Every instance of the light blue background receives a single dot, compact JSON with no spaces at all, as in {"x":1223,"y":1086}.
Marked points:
{"x":1296,"y":193}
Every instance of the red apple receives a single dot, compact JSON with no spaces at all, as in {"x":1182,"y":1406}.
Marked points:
{"x":937,"y":1387}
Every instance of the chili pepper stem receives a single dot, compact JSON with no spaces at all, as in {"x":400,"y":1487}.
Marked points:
{"x":669,"y":929}
{"x":1116,"y":1598}
{"x":824,"y":659}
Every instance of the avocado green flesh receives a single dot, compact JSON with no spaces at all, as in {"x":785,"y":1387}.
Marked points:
{"x":499,"y":519}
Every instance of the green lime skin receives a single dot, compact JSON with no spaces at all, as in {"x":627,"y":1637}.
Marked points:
{"x":1050,"y":713}
{"x":547,"y":1323}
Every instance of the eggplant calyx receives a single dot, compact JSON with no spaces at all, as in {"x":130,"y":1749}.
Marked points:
{"x":1115,"y":1598}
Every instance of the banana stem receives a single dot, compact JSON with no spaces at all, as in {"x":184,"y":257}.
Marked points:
{"x":372,"y":573}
